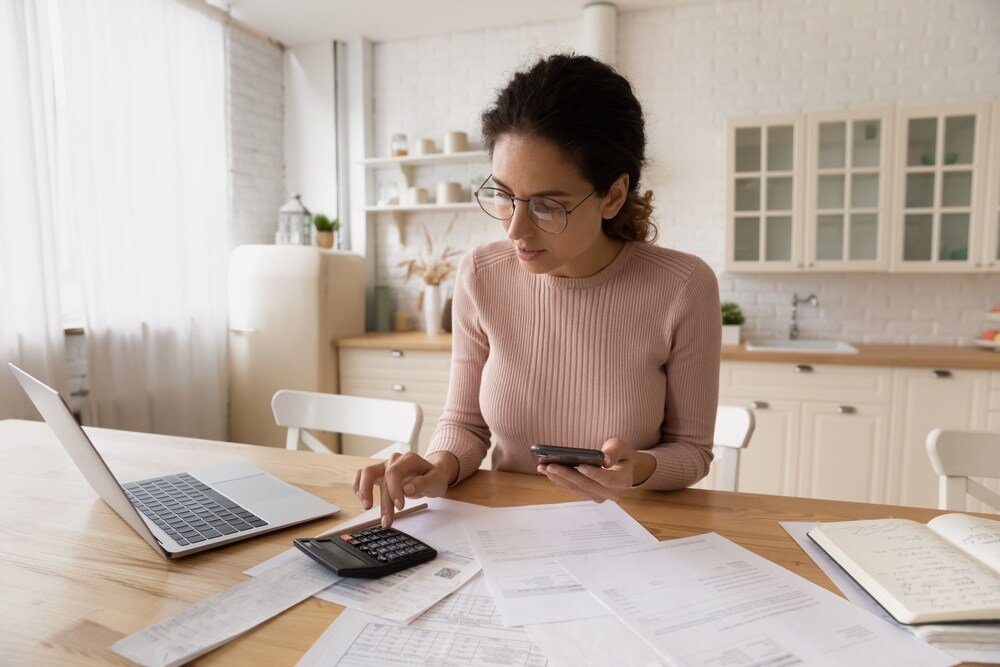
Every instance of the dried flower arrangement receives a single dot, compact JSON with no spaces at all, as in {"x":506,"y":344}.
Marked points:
{"x":433,"y":269}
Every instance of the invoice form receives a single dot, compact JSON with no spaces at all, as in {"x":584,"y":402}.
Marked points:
{"x":462,"y":629}
{"x":518,"y":548}
{"x":403,"y":595}
{"x":704,"y":600}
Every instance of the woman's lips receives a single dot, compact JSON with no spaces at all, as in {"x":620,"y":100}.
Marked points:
{"x":528,"y":255}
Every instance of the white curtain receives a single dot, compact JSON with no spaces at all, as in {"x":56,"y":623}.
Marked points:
{"x":31,"y":334}
{"x":144,"y":142}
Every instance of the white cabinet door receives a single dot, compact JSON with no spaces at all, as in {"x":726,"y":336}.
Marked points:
{"x":922,"y":401}
{"x":844,"y":451}
{"x":940,"y":170}
{"x":848,"y":185}
{"x":764,"y":220}
{"x":769,"y":463}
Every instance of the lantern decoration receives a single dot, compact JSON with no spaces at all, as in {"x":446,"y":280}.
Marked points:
{"x":294,"y":223}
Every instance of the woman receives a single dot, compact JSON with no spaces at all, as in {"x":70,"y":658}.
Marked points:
{"x":576,"y":330}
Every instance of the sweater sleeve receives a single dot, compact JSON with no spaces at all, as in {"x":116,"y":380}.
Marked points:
{"x":684,"y":453}
{"x":462,"y":429}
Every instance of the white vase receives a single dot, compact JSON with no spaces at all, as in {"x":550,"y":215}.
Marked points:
{"x":730,"y":334}
{"x":432,"y":310}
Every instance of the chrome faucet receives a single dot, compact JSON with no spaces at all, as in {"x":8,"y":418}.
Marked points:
{"x":812,"y":300}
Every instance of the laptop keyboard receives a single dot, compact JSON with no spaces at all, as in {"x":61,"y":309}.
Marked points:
{"x":188,"y":510}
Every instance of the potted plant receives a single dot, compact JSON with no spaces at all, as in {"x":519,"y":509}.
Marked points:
{"x":325,"y":230}
{"x":732,"y":318}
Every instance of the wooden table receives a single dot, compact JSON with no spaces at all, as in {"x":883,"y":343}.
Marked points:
{"x":74,"y":578}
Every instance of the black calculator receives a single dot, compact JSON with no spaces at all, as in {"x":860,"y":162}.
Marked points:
{"x":369,"y":553}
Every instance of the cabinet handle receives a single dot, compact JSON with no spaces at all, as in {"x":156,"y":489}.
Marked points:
{"x":760,"y":405}
{"x":803,"y":368}
{"x":398,"y":387}
{"x":846,"y":410}
{"x":397,"y":354}
{"x":938,"y":373}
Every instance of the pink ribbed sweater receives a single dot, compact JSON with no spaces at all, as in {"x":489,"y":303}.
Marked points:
{"x":630,"y":352}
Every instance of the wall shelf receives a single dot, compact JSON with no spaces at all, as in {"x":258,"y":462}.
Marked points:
{"x":425,"y":160}
{"x":399,"y":212}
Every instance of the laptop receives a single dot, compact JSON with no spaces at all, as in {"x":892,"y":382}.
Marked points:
{"x":187,"y":512}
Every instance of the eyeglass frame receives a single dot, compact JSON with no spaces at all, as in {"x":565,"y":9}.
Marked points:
{"x":514,"y":200}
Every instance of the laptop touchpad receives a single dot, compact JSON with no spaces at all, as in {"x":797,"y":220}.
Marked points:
{"x":255,"y":489}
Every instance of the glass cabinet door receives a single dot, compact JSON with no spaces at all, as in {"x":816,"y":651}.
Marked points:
{"x":991,"y":237}
{"x":846,"y":205}
{"x":762,"y":187}
{"x":937,"y":190}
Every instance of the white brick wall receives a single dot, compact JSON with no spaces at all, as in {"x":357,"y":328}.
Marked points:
{"x":693,"y":66}
{"x":255,"y":93}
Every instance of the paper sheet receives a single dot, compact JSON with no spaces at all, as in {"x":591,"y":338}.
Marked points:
{"x":216,"y":620}
{"x":704,"y":600}
{"x":462,"y":629}
{"x":592,"y":642}
{"x":859,"y":596}
{"x":404,"y":595}
{"x":518,"y":547}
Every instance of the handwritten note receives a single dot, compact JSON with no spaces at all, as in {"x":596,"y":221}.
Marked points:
{"x":216,"y":620}
{"x":917,"y":566}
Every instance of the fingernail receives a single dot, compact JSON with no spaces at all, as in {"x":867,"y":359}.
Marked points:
{"x":385,"y":522}
{"x":408,"y":488}
{"x":399,"y":504}
{"x":367,"y":504}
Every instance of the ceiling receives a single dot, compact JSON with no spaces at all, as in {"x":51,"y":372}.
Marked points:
{"x":295,"y":22}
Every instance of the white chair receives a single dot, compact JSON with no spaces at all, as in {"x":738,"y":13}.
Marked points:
{"x":957,"y":455}
{"x":733,"y":427}
{"x":396,"y":421}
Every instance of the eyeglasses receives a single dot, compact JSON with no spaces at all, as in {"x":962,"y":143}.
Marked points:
{"x":548,"y":215}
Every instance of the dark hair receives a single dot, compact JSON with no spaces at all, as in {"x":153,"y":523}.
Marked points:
{"x":590,"y":112}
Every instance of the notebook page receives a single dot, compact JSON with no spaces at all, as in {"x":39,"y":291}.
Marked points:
{"x":917,"y":566}
{"x":975,"y":535}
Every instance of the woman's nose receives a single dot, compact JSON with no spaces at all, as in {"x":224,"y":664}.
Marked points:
{"x":520,"y":225}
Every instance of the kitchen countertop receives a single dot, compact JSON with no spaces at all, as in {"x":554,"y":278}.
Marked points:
{"x":907,"y":356}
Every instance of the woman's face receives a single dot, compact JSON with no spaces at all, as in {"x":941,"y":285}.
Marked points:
{"x":525,"y":167}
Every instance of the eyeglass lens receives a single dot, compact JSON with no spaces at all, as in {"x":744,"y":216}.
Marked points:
{"x":549,"y":215}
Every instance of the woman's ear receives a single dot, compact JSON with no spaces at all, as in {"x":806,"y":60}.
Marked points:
{"x":615,"y":198}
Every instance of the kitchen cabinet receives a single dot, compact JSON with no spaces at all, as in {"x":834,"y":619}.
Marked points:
{"x":904,"y":190}
{"x":843,"y":451}
{"x":395,"y":373}
{"x":991,"y":220}
{"x":925,"y":399}
{"x":940,"y":172}
{"x":848,"y":184}
{"x":803,"y":411}
{"x":764,"y":201}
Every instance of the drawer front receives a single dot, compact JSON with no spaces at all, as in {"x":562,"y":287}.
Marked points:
{"x":403,"y":375}
{"x":995,"y":380}
{"x":395,"y":365}
{"x":805,"y":381}
{"x":994,"y":399}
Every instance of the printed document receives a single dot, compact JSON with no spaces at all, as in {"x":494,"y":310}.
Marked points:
{"x":404,"y":595}
{"x":704,"y":600}
{"x":214,"y":621}
{"x":462,"y":629}
{"x":518,"y":548}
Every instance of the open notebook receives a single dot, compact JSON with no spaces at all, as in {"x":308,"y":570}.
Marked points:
{"x":947,"y":570}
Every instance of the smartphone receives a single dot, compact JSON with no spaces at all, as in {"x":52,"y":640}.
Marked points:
{"x":568,"y":456}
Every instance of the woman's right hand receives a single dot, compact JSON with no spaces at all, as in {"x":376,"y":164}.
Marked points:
{"x":405,"y":476}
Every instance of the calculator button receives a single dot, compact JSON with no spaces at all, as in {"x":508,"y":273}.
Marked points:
{"x":382,"y":558}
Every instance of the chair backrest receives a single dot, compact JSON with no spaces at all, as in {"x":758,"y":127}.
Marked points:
{"x":395,"y":421}
{"x":958,"y":455}
{"x":733,"y":427}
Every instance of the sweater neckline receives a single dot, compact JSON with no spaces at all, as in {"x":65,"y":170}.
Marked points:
{"x":601,"y":277}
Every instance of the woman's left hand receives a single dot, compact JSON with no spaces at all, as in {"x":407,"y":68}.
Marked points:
{"x":599,"y":484}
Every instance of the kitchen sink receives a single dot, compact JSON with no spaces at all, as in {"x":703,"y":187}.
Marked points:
{"x":818,"y":346}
